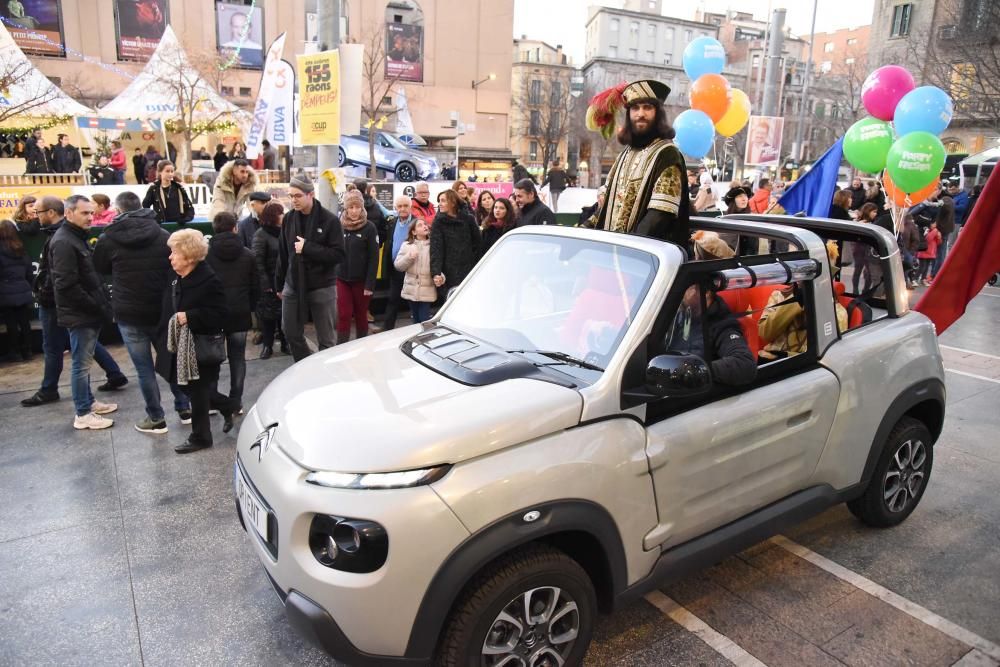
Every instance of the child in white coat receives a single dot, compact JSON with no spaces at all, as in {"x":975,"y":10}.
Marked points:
{"x":415,"y":259}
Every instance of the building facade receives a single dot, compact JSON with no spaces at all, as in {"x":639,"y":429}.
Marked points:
{"x":835,"y":52}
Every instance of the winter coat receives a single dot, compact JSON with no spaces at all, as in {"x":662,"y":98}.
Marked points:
{"x":588,"y":216}
{"x":15,"y":280}
{"x":235,"y":266}
{"x":536,"y":213}
{"x":933,"y":238}
{"x":316,"y":266}
{"x":101,"y":175}
{"x":520,"y":172}
{"x":857,"y":197}
{"x":36,"y":160}
{"x":246,"y":229}
{"x":79,"y":292}
{"x":265,"y":254}
{"x":418,"y":283}
{"x":226,"y":196}
{"x":134,"y":252}
{"x":387,"y":257}
{"x":42,"y":286}
{"x":201,"y":297}
{"x":705,"y":200}
{"x":454,"y":247}
{"x":66,"y":159}
{"x":425,"y":212}
{"x":946,"y":216}
{"x":172,"y":205}
{"x":139,"y":167}
{"x":961,"y":200}
{"x":732,"y":362}
{"x":760,"y":201}
{"x":376,"y":216}
{"x":838,"y":213}
{"x":360,"y":256}
{"x":910,"y":237}
{"x":117,"y":160}
{"x":220,"y":159}
{"x":270,"y":155}
{"x":490,"y":235}
{"x":556,"y":180}
{"x":149,"y":170}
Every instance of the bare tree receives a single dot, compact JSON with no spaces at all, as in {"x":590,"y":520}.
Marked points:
{"x":34,"y":89}
{"x":544,"y":111}
{"x":377,"y":87}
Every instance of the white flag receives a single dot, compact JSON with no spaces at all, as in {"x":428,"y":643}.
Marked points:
{"x":262,"y":111}
{"x":281,"y":121}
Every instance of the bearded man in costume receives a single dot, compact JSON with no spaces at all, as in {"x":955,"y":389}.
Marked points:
{"x":647,"y":191}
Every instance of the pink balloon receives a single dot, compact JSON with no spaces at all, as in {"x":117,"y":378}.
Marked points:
{"x":884,"y":88}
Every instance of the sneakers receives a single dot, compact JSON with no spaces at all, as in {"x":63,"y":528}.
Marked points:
{"x":38,"y":398}
{"x":185,"y":416}
{"x":149,"y":425}
{"x":114,"y":383}
{"x":92,"y":421}
{"x":99,"y":408}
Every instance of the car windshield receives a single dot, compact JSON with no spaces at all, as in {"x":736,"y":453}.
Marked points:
{"x":393,"y":141}
{"x":571,"y":298}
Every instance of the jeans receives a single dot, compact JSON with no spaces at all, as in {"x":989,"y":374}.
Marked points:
{"x":942,"y":252}
{"x":420,"y":311}
{"x":139,"y":341}
{"x":18,"y":322}
{"x":236,"y":351}
{"x":395,"y":298}
{"x":55,"y":341}
{"x":554,"y":196}
{"x":82,"y":341}
{"x":322,"y":303}
{"x":353,"y":305}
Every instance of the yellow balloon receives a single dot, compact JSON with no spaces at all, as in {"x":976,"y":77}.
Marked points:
{"x":736,"y":115}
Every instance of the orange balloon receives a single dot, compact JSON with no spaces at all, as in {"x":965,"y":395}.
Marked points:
{"x":711,"y":94}
{"x":899,"y":197}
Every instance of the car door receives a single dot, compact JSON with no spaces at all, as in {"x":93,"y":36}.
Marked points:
{"x":385,"y":155}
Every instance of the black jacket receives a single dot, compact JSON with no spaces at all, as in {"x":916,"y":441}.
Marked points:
{"x":316,"y":267}
{"x":201,"y":297}
{"x":80,"y":300}
{"x":265,"y":254}
{"x":134,"y":252}
{"x":556,"y":180}
{"x":139,"y":167}
{"x":220,"y":159}
{"x":66,"y":159}
{"x":375,"y":216}
{"x":246,"y":229}
{"x":15,"y":280}
{"x":536,"y":213}
{"x":491,"y":235}
{"x":520,"y":172}
{"x":838,"y":213}
{"x":360,"y":256}
{"x":101,"y":175}
{"x":36,"y":160}
{"x":42,"y":287}
{"x":454,"y":247}
{"x":173,"y":205}
{"x":235,"y":267}
{"x":857,"y":197}
{"x":946,"y":216}
{"x":732,"y":363}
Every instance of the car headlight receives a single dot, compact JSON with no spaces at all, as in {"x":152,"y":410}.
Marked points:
{"x":378,"y":480}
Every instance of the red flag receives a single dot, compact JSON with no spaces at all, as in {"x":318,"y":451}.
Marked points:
{"x":974,"y":258}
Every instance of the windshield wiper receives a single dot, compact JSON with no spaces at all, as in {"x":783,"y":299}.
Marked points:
{"x":561,"y":357}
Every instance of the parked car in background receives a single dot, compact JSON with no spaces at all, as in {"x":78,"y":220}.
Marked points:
{"x":391,"y":154}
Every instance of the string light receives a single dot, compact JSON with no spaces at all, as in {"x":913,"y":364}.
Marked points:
{"x":177,"y":127}
{"x":52,"y":122}
{"x":64,"y":49}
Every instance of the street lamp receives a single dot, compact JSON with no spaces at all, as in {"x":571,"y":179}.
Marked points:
{"x":491,"y":77}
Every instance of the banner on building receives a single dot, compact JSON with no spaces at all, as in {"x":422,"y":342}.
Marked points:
{"x":265,"y":98}
{"x":404,"y":52}
{"x":319,"y":98}
{"x":764,"y":141}
{"x":280,"y":126}
{"x":240,"y":33}
{"x":139,"y":25}
{"x":35,"y":25}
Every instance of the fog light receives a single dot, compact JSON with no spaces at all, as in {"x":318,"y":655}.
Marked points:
{"x":347,"y":537}
{"x":350,"y":545}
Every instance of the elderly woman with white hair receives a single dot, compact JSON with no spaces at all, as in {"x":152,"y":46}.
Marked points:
{"x":192,"y":345}
{"x":706,"y":200}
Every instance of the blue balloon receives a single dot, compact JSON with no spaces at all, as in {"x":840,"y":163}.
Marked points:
{"x":923,"y":109}
{"x":695,"y":133}
{"x":704,"y":55}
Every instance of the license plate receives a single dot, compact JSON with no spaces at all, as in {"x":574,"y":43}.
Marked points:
{"x":253,"y":508}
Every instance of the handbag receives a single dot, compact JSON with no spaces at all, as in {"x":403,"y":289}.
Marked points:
{"x":209,"y":349}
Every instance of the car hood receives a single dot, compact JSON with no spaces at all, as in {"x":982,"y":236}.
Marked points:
{"x":365,"y":406}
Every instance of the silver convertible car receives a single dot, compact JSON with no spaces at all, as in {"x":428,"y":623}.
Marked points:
{"x":561,"y":438}
{"x":405,"y":162}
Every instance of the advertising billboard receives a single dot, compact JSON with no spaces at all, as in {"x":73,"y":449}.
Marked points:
{"x":139,"y":25}
{"x":404,"y":52}
{"x":764,"y":141}
{"x":35,"y":25}
{"x":319,"y":98}
{"x":240,"y":33}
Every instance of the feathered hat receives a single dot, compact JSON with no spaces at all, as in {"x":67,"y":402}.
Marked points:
{"x":604,"y":106}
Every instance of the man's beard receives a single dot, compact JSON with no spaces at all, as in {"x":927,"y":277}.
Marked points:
{"x":642,"y":138}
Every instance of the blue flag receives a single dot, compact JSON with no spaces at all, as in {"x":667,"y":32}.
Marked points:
{"x":812,"y":194}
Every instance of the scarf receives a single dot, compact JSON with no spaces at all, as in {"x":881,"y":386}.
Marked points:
{"x":180,"y":341}
{"x":353,"y":224}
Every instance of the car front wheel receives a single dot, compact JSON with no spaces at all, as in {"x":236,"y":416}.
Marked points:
{"x":532,"y":608}
{"x":341,"y":157}
{"x":405,"y":172}
{"x":901,"y":476}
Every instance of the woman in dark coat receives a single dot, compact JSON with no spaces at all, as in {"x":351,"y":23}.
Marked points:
{"x":499,"y":221}
{"x":455,"y":243}
{"x":195,"y":299}
{"x":841,"y":204}
{"x":168,"y":197}
{"x":15,"y":293}
{"x":265,"y":252}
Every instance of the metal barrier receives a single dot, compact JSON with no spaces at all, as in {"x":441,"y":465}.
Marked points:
{"x":42,"y":179}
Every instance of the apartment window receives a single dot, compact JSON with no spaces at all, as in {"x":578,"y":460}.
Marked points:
{"x":756,"y":61}
{"x":852,"y":41}
{"x":650,"y":56}
{"x":633,"y":27}
{"x":535,"y":95}
{"x":633,"y":54}
{"x":826,"y":66}
{"x":669,"y":34}
{"x":828,"y":47}
{"x":535,"y":122}
{"x":901,"y":20}
{"x":612,"y":52}
{"x":666,"y":58}
{"x":244,"y":91}
{"x":555,"y":98}
{"x":849,"y":61}
{"x":533,"y":150}
{"x":652,"y":4}
{"x":651,"y":30}
{"x":614,"y":25}
{"x":687,"y":36}
{"x":228,"y":91}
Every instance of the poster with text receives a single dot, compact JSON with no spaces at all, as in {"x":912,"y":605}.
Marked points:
{"x":240,"y":33}
{"x":764,"y":141}
{"x":319,"y":98}
{"x":139,"y":25}
{"x":404,"y":52}
{"x":35,"y":25}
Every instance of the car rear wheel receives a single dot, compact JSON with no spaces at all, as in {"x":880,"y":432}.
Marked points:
{"x":406,"y":172}
{"x":341,"y":157}
{"x":901,"y":476}
{"x":532,"y":608}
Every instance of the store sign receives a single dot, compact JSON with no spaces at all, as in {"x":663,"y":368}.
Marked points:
{"x":35,"y":25}
{"x":404,"y":52}
{"x":139,"y":25}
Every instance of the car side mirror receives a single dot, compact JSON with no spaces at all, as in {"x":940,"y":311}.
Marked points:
{"x":678,"y":375}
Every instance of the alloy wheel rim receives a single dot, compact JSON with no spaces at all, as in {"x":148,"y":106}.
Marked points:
{"x":905,"y":476}
{"x":405,"y":172}
{"x":538,"y":628}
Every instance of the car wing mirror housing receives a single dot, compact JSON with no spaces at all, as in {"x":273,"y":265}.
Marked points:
{"x":678,"y":375}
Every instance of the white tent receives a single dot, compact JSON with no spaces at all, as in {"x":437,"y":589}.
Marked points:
{"x":152,"y":94}
{"x":31,"y":94}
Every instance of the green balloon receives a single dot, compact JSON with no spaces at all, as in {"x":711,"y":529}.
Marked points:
{"x":867,"y":144}
{"x":915,"y":161}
